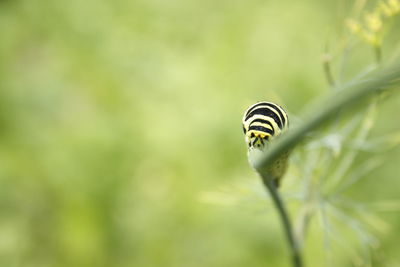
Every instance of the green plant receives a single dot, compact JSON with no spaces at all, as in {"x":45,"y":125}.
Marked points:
{"x":339,"y":125}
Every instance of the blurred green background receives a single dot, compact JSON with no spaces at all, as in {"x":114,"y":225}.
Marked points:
{"x":119,"y":119}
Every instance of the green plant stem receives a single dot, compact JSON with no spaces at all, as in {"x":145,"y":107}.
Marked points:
{"x":346,"y":96}
{"x":328,"y":70}
{"x":284,"y":216}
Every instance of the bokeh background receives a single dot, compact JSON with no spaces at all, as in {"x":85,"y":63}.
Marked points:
{"x":120,"y":135}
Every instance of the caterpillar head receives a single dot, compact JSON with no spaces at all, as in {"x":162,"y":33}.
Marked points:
{"x":256,"y":139}
{"x":262,"y":122}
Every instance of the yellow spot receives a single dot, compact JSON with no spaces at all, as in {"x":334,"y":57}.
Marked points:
{"x":371,"y":38}
{"x":394,"y":5}
{"x":374,"y":22}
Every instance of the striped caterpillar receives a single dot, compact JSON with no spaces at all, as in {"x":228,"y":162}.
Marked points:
{"x":263,"y":122}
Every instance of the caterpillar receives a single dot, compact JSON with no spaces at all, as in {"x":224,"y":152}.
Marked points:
{"x":262,"y":122}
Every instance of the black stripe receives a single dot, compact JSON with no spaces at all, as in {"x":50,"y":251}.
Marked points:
{"x":266,"y":112}
{"x":279,"y":111}
{"x":254,"y":106}
{"x":261,"y":129}
{"x":275,"y":107}
{"x":264,"y":122}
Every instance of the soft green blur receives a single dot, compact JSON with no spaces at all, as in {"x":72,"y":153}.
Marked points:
{"x":120,"y":135}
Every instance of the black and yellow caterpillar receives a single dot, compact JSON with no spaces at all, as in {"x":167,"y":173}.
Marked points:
{"x":263,"y":122}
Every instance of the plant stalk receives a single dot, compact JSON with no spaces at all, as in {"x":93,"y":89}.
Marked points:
{"x":285,"y":219}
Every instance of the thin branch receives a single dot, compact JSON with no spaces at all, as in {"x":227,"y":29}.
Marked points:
{"x":284,"y":216}
{"x":378,"y":54}
{"x":326,"y":63}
